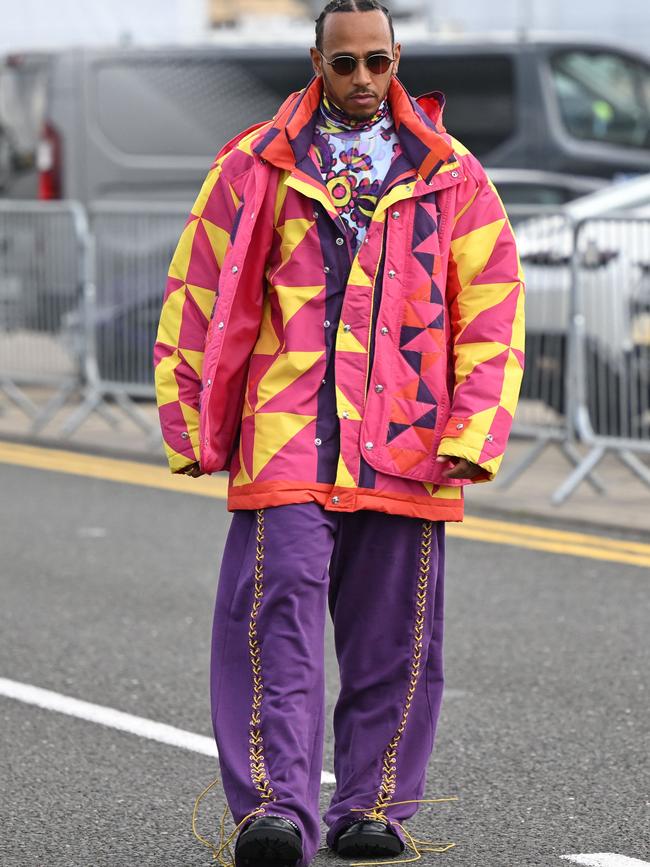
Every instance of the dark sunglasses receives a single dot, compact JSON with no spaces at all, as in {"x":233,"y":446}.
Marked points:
{"x":345,"y":64}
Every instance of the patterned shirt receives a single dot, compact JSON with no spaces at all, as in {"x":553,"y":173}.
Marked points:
{"x":354,"y":158}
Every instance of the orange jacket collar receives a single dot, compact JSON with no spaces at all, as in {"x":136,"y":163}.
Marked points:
{"x":290,"y":135}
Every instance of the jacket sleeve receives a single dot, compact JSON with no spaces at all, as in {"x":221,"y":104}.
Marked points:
{"x":485,"y":291}
{"x":188,"y":304}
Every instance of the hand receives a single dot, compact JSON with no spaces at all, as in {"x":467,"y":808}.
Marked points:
{"x":462,"y":469}
{"x":193,"y":470}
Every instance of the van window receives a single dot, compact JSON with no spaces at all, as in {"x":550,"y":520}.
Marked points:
{"x":188,"y":106}
{"x":191,"y":106}
{"x":480,"y":91}
{"x":603,"y":97}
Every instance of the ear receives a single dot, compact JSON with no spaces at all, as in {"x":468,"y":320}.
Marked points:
{"x":316,"y":61}
{"x":397,"y":51}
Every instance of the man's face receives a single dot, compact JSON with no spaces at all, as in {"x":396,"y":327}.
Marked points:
{"x":356,"y":34}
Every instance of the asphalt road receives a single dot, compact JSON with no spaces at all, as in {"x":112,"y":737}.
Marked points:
{"x":107,"y":592}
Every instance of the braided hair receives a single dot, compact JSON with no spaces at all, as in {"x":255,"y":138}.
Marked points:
{"x":350,"y":6}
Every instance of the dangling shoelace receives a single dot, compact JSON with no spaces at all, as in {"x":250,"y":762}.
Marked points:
{"x":412,"y":842}
{"x":223,"y":843}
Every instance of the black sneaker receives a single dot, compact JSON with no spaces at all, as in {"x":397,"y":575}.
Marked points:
{"x":368,"y":837}
{"x":269,"y":841}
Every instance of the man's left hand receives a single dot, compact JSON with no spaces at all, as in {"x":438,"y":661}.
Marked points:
{"x":462,"y":469}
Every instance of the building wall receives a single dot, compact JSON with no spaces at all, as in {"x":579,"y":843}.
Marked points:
{"x":626,"y":21}
{"x":51,"y":23}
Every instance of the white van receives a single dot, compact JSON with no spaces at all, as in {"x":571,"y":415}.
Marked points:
{"x":145,"y":123}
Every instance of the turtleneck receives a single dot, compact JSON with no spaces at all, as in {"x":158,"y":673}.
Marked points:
{"x":338,"y":121}
{"x":354,"y":157}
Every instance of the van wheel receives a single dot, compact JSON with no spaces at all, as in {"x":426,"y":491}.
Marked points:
{"x":543,"y":379}
{"x":618,"y":393}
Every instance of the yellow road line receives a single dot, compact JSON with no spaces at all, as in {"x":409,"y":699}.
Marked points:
{"x":536,"y":538}
{"x":563,"y":535}
{"x":111,"y":469}
{"x":592,"y":552}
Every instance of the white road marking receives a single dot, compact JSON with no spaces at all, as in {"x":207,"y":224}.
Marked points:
{"x":605,"y":859}
{"x":115,"y":719}
{"x":91,"y":532}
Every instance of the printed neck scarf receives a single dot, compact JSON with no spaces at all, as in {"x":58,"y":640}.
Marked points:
{"x":354,"y":158}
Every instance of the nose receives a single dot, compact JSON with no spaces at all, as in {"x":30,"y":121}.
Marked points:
{"x":361,"y":76}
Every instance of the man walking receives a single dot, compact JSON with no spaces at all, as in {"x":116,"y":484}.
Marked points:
{"x":343,"y":331}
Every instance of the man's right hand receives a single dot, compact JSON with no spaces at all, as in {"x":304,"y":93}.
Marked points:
{"x":193,"y":470}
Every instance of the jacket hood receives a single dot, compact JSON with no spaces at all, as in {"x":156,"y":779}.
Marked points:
{"x":432,"y":104}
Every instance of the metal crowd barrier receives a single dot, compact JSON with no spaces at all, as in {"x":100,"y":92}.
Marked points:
{"x":133,"y":246}
{"x":544,"y":411}
{"x":44,"y":257}
{"x":80,"y":303}
{"x":610,"y":366}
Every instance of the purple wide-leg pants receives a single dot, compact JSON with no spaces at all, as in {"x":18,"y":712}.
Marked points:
{"x":382,"y":578}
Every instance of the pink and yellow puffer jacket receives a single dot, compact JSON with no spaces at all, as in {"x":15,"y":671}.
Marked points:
{"x":428,"y":343}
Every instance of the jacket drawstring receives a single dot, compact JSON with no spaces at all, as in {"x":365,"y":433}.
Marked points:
{"x":373,"y":813}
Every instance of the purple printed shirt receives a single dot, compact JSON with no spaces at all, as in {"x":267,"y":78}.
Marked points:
{"x":354,"y":158}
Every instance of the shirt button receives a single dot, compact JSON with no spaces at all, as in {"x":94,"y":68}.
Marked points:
{"x":318,"y":441}
{"x":379,"y":389}
{"x":340,"y":242}
{"x":347,"y":328}
{"x":234,"y":269}
{"x":395,"y":215}
{"x":370,"y":445}
{"x":384,"y":330}
{"x":391,"y":274}
{"x":336,"y":501}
